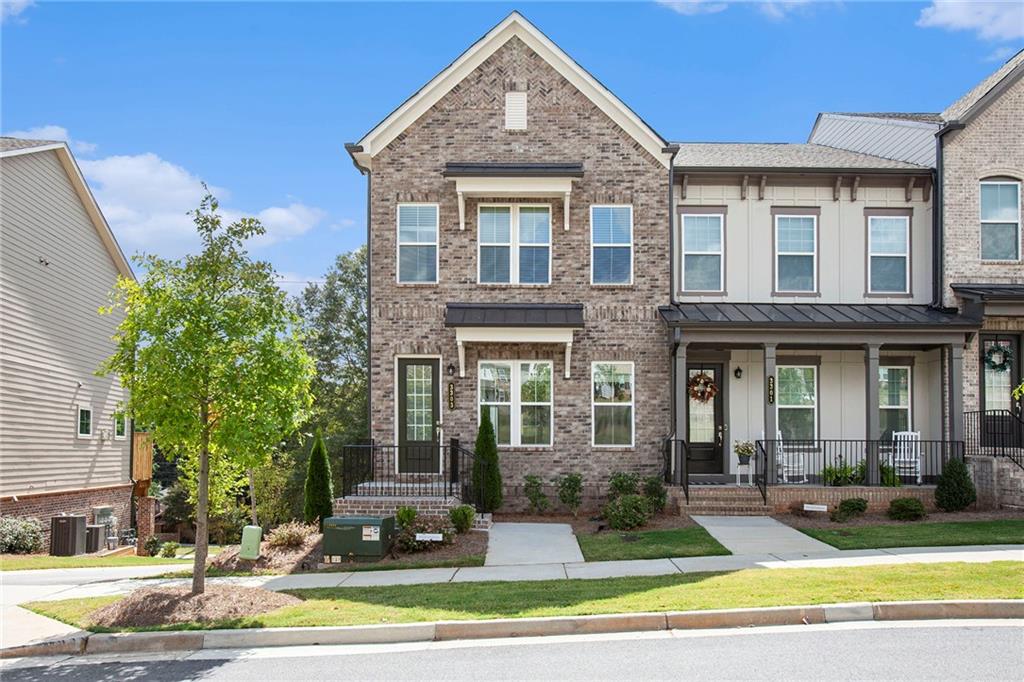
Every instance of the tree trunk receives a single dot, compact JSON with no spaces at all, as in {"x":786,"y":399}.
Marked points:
{"x":252,"y":497}
{"x":202,"y":512}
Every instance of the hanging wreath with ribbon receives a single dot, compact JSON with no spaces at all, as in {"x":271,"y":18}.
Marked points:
{"x":999,"y":358}
{"x":702,"y":387}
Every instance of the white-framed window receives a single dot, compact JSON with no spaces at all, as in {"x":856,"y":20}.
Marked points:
{"x":797,"y":403}
{"x":417,"y":243}
{"x":518,"y":397}
{"x":120,"y":426}
{"x":515,"y":111}
{"x":514,"y":244}
{"x":888,"y":254}
{"x":1000,"y":220}
{"x":894,"y":396}
{"x":83,"y":424}
{"x":612,"y":414}
{"x":796,"y":253}
{"x":703,"y":250}
{"x":611,"y":244}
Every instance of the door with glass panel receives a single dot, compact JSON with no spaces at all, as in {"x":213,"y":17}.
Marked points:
{"x":419,"y":416}
{"x":1000,"y":369}
{"x":705,"y":433}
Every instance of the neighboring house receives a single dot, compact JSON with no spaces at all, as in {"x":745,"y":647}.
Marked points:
{"x":63,"y":445}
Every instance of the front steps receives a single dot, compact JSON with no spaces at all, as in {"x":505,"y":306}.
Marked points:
{"x":721,"y":500}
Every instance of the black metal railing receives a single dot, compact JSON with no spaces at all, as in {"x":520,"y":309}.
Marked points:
{"x":885,"y":463}
{"x":997,"y":433}
{"x":761,"y":469}
{"x":422,"y":470}
{"x":675,"y":456}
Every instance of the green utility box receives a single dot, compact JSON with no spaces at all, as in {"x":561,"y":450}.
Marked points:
{"x":250,"y":548}
{"x":357,"y":537}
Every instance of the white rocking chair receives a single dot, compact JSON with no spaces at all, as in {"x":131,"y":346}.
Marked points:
{"x":791,"y":465}
{"x":906,"y":454}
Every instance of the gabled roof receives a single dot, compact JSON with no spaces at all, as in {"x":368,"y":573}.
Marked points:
{"x":781,"y":156}
{"x":12,"y":146}
{"x":514,"y":25}
{"x":984,"y":92}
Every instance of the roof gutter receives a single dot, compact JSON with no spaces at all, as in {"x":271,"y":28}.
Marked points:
{"x":938,"y":258}
{"x":671,"y":150}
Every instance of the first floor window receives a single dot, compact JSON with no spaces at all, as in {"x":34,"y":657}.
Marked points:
{"x":120,"y":426}
{"x":888,"y":254}
{"x":84,"y":422}
{"x":1000,"y":220}
{"x":893,"y":400}
{"x":796,"y":253}
{"x":417,"y":243}
{"x":798,"y":402}
{"x":515,"y":244}
{"x":516,"y":395}
{"x":611,"y":244}
{"x":702,"y":252}
{"x":998,"y":381}
{"x":612,"y":403}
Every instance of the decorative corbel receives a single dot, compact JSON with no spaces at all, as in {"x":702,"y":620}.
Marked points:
{"x":760,"y":191}
{"x":686,"y":182}
{"x":568,"y":358}
{"x":910,"y":189}
{"x":565,"y":211}
{"x":743,"y":187}
{"x":926,"y":189}
{"x":462,"y":211}
{"x":853,"y":190}
{"x":837,"y":187}
{"x":462,"y":360}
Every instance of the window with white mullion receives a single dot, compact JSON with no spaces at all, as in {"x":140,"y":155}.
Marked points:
{"x":517,"y":396}
{"x":1000,"y":220}
{"x":417,"y":243}
{"x":888,"y":254}
{"x":894,"y":400}
{"x":611,"y":244}
{"x":797,"y":402}
{"x":514,"y":244}
{"x":703,"y":252}
{"x":612,"y":398}
{"x":796,"y":253}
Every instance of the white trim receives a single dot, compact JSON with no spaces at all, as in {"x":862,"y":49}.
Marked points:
{"x":909,"y":407}
{"x":513,"y":245}
{"x":813,"y":254}
{"x":905,"y":256}
{"x":720,"y":253}
{"x":440,"y":401}
{"x":464,"y":335}
{"x":817,"y":397}
{"x":515,"y":401}
{"x":436,"y":243}
{"x":124,"y":419}
{"x":498,"y":188}
{"x":632,"y":405}
{"x":84,"y":407}
{"x":594,"y":246}
{"x":982,"y":222}
{"x":514,"y":25}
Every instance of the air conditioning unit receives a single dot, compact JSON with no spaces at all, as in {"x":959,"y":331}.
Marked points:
{"x":94,"y":535}
{"x":67,"y":535}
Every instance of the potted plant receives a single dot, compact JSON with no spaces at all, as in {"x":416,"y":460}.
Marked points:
{"x":744,"y":450}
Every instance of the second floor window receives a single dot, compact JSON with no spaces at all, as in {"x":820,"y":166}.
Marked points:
{"x":1000,"y":220}
{"x":796,"y":253}
{"x":888,"y":254}
{"x":417,"y":243}
{"x":702,"y":253}
{"x":611,"y":239}
{"x":515,"y":244}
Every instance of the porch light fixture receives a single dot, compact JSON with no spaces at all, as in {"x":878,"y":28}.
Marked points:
{"x":738,"y":372}
{"x":451,"y":369}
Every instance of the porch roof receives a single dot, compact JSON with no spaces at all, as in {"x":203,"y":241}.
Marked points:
{"x":812,"y":316}
{"x":990,"y":292}
{"x":514,"y":315}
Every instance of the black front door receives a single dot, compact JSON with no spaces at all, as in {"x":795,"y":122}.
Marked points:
{"x":1000,"y":372}
{"x":705,"y":428}
{"x":419,"y":415}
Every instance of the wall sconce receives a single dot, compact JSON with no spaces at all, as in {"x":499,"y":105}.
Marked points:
{"x":738,"y":372}
{"x":451,"y":369}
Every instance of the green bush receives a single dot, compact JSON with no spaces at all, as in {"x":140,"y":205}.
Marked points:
{"x":849,"y":508}
{"x":405,"y":516}
{"x":486,"y":470}
{"x":169,"y":550}
{"x":570,"y":492}
{"x":627,"y":512}
{"x":20,"y":536}
{"x":622,"y":483}
{"x":842,"y":474}
{"x":906,"y":509}
{"x":319,"y":493}
{"x":655,"y":493}
{"x":462,"y":517}
{"x":533,"y":488}
{"x":226,"y":527}
{"x":291,"y":534}
{"x":152,"y":545}
{"x":405,"y":539}
{"x":955,"y":490}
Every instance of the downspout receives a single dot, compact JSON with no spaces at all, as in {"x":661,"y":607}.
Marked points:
{"x":938,"y":231}
{"x":671,"y":150}
{"x":352,"y":149}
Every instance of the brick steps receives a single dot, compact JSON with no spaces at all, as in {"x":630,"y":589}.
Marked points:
{"x":723,"y":501}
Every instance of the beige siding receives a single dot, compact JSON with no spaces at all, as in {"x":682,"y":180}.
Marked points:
{"x":51,"y":337}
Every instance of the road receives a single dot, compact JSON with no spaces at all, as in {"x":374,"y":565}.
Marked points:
{"x":944,"y":650}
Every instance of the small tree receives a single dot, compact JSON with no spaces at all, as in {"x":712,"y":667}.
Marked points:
{"x":319,"y":490}
{"x":486,"y":473}
{"x":955,"y":490}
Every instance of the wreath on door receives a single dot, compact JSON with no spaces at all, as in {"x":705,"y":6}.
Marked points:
{"x":999,"y":358}
{"x":702,"y":387}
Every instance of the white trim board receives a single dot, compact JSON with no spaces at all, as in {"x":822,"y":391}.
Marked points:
{"x":464,"y":335}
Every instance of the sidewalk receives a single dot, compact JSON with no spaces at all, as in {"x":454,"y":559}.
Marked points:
{"x":759,"y":535}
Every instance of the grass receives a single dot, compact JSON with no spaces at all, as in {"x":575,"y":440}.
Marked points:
{"x":28,"y":562}
{"x":999,"y":532}
{"x":649,"y":544}
{"x":681,"y":592}
{"x":468,"y":560}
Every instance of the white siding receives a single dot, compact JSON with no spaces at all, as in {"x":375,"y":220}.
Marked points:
{"x":51,"y":337}
{"x":911,"y":141}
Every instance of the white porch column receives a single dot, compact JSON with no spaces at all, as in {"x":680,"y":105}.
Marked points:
{"x":873,"y":428}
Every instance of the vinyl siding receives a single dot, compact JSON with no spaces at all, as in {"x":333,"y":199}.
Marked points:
{"x":51,"y":336}
{"x":911,"y":141}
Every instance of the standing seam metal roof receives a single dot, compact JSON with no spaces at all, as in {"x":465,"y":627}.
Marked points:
{"x":804,"y":315}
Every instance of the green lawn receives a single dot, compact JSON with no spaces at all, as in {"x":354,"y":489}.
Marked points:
{"x":681,"y":592}
{"x":649,"y":544}
{"x":468,"y":560}
{"x":1001,"y":532}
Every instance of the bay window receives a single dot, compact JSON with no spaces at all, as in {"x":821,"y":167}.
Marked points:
{"x":612,"y":403}
{"x":517,"y":396}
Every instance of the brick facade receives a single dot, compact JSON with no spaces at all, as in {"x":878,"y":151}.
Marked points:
{"x":42,"y":506}
{"x":999,"y":482}
{"x":781,"y":497}
{"x":434,"y":507}
{"x":467,"y":124}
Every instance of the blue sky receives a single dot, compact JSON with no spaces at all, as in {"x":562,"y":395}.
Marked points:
{"x":258,"y":99}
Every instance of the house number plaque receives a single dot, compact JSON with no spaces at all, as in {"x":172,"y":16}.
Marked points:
{"x":771,"y":390}
{"x":451,"y":395}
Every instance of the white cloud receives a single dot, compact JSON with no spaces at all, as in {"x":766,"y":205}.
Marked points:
{"x":343,"y":224}
{"x":10,"y":9}
{"x":52,"y":132}
{"x":779,"y":10}
{"x":1000,"y":54}
{"x":989,"y":20}
{"x":692,"y":7}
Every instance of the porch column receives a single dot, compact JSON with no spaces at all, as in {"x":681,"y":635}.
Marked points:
{"x":771,"y":424}
{"x":873,"y":429}
{"x":679,"y":403}
{"x":956,"y":392}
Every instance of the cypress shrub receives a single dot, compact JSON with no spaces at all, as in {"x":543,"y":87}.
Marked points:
{"x":486,"y":474}
{"x":319,"y":503}
{"x":955,"y":490}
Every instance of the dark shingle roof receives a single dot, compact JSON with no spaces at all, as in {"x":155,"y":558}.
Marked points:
{"x":963,"y":105}
{"x":518,"y":170}
{"x":781,"y":155}
{"x":809,"y":315}
{"x":990,"y":292}
{"x":513,"y":315}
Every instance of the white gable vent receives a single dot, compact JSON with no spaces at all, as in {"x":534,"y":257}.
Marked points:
{"x":515,"y":111}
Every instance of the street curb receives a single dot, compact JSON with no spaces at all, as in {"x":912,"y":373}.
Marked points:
{"x":192,"y":640}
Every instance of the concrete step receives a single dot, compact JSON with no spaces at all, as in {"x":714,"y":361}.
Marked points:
{"x":712,"y":510}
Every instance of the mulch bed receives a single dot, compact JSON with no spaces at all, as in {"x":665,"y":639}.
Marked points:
{"x":154,"y":606}
{"x":587,"y":524}
{"x":821,"y":520}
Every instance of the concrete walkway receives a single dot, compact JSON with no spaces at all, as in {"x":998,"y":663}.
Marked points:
{"x":759,"y":535}
{"x":519,"y":544}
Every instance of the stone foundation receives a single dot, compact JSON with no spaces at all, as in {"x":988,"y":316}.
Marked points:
{"x":437,"y":507}
{"x":998,"y":480}
{"x":43,"y":506}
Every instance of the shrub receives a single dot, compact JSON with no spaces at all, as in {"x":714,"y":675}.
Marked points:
{"x":319,"y":493}
{"x":169,"y":550}
{"x":533,"y":488}
{"x":886,"y":475}
{"x":291,"y":534}
{"x":842,"y":474}
{"x":622,"y":483}
{"x":20,"y":536}
{"x":226,"y":527}
{"x":406,"y":541}
{"x":570,"y":492}
{"x":405,"y":516}
{"x":627,"y":512}
{"x":655,"y":493}
{"x":486,"y":471}
{"x":849,"y":508}
{"x":955,"y":490}
{"x":462,"y":517}
{"x":152,"y":545}
{"x":906,"y":509}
